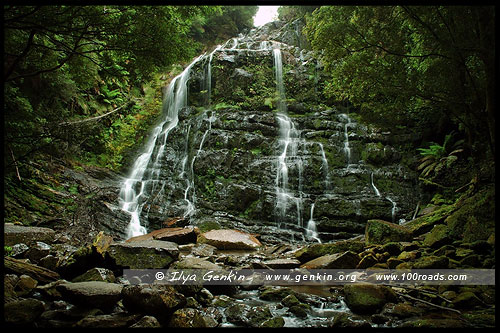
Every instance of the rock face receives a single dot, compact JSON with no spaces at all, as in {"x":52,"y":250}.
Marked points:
{"x":225,"y":161}
{"x":14,"y":234}
{"x":226,"y":239}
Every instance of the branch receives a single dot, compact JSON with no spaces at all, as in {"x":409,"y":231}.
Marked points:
{"x":428,"y":303}
{"x":67,"y":123}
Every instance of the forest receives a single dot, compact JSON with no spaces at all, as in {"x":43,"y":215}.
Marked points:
{"x":186,"y":137}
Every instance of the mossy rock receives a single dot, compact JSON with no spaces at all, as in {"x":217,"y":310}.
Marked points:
{"x":432,"y":262}
{"x":381,"y":232}
{"x":475,"y":217}
{"x":438,"y":236}
{"x":367,"y":298}
{"x":425,"y":223}
{"x":311,"y":252}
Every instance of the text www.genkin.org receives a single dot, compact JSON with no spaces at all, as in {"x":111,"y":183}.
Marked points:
{"x":307,"y":277}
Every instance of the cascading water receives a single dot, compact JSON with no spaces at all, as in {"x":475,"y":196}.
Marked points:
{"x":311,"y":231}
{"x":377,"y":192}
{"x":347,"y":148}
{"x":145,"y":174}
{"x":289,"y":139}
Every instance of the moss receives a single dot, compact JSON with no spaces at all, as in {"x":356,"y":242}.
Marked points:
{"x":425,"y":223}
{"x":317,"y":250}
{"x":475,"y":217}
{"x":209,"y":225}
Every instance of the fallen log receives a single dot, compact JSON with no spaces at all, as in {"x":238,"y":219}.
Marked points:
{"x":38,"y":273}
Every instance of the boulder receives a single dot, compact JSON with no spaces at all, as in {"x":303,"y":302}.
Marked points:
{"x":115,"y":320}
{"x":96,"y":274}
{"x":97,"y":294}
{"x":317,"y":250}
{"x":146,"y":322}
{"x":23,"y":313}
{"x":143,"y":254}
{"x":381,"y":232}
{"x":188,"y":318}
{"x":347,"y":259}
{"x":14,"y":234}
{"x":437,"y":237}
{"x":367,"y":298}
{"x":230,"y":239}
{"x":159,"y":301}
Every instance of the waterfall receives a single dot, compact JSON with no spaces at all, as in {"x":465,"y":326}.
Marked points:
{"x":324,"y":166}
{"x":347,"y":148}
{"x":311,"y":231}
{"x":289,"y":138}
{"x":145,"y":174}
{"x":377,"y":193}
{"x":393,"y":211}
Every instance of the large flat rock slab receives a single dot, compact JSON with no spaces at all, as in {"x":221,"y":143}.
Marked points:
{"x":177,"y":235}
{"x":100,"y":294}
{"x":230,"y":239}
{"x":143,"y":254}
{"x":15,"y":234}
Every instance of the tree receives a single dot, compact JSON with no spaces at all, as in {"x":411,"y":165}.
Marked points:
{"x":412,"y":66}
{"x":67,"y":62}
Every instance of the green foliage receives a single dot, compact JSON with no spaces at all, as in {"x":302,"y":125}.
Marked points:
{"x":416,"y":67}
{"x":437,"y":158}
{"x":65,"y":65}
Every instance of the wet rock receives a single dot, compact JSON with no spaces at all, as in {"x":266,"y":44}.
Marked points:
{"x":144,"y":254}
{"x":381,"y":232}
{"x":97,"y":294}
{"x":347,"y":259}
{"x":23,"y":313}
{"x":345,"y":320}
{"x":14,"y":234}
{"x":37,"y":251}
{"x":275,"y":293}
{"x":229,"y":239}
{"x":367,"y":298}
{"x":275,"y":322}
{"x":300,"y":310}
{"x":235,"y":313}
{"x":188,"y":318}
{"x":19,"y":250}
{"x":257,"y":315}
